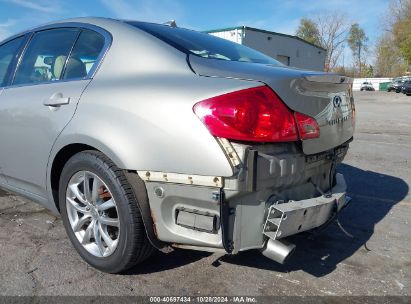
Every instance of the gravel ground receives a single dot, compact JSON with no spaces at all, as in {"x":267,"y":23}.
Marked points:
{"x":36,"y":257}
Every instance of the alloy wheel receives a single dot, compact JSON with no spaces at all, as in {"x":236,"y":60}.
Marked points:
{"x":93,"y":214}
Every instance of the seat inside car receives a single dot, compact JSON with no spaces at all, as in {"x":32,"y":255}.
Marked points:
{"x":75,"y":68}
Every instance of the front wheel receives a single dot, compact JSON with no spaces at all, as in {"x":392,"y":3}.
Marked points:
{"x":100,"y":213}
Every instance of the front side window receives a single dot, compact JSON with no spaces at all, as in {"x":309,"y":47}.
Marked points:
{"x":84,"y":55}
{"x":8,"y":53}
{"x":45,"y":57}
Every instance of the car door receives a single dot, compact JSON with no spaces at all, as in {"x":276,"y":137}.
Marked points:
{"x":9,"y":52}
{"x":49,"y":79}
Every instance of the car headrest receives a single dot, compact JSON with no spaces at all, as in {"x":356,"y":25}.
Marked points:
{"x":57,"y":66}
{"x":75,"y":68}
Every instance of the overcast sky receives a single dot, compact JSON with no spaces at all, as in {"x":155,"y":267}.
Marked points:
{"x":275,"y":15}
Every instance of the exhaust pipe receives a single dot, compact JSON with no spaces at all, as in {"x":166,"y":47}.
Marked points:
{"x":278,"y":250}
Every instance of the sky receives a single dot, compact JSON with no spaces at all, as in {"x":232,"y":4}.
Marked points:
{"x":275,"y":15}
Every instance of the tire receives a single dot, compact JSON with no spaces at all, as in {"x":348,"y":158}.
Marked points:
{"x":114,"y":238}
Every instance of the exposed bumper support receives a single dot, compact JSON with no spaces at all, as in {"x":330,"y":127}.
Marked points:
{"x":297,"y":216}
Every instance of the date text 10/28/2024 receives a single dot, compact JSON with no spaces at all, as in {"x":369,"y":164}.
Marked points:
{"x":203,"y":299}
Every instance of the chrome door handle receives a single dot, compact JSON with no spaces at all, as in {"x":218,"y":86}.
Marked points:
{"x":56,"y":100}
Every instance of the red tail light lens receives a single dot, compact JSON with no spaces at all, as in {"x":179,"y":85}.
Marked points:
{"x":307,"y":126}
{"x":255,"y":114}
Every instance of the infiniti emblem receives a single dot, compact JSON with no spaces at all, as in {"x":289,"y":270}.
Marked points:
{"x":337,"y":101}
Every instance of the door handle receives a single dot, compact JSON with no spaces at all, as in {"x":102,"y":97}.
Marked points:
{"x":56,"y":100}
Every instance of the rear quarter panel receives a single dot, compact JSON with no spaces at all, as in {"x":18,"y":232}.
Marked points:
{"x":147,"y":123}
{"x":138,"y":108}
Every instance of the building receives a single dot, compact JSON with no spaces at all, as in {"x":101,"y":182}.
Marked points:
{"x":288,"y":49}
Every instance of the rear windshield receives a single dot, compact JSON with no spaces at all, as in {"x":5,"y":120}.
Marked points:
{"x":204,"y":45}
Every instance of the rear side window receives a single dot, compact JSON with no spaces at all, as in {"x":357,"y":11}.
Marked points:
{"x":45,"y":56}
{"x":204,"y":45}
{"x":8,"y":53}
{"x":84,"y":55}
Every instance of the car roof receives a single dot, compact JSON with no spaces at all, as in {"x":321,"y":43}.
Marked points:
{"x":103,"y":22}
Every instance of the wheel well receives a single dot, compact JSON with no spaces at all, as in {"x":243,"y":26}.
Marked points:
{"x":136,"y":183}
{"x":58,"y":164}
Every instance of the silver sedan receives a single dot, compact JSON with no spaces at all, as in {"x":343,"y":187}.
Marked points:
{"x":149,"y":137}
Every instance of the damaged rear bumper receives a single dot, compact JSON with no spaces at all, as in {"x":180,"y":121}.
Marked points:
{"x":285,"y":219}
{"x":205,"y":217}
{"x":276,"y":192}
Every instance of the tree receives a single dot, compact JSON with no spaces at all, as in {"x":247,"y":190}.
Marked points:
{"x":397,"y":10}
{"x":308,"y":31}
{"x":389,"y":61}
{"x":402,"y":36}
{"x":332,"y":32}
{"x":399,"y":24}
{"x":393,"y":51}
{"x":329,"y":31}
{"x":357,"y":40}
{"x":367,"y":70}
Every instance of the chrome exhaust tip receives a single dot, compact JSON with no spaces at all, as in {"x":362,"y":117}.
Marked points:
{"x":278,"y":250}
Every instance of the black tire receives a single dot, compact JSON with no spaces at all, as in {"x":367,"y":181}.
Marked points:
{"x":133,"y":246}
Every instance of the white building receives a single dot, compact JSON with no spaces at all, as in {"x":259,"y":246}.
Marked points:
{"x":288,"y":49}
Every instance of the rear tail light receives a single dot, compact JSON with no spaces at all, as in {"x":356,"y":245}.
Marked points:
{"x":255,"y":114}
{"x":307,"y":126}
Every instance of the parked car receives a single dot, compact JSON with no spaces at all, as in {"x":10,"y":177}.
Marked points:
{"x":146,"y":136}
{"x":367,"y":86}
{"x":395,"y":86}
{"x":406,"y":87}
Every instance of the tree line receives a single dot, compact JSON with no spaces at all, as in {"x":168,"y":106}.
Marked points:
{"x":392,"y":51}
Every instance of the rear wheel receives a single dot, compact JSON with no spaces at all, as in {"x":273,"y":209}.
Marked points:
{"x":100,"y":213}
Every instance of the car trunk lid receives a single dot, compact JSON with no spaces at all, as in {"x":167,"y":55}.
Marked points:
{"x":324,"y":96}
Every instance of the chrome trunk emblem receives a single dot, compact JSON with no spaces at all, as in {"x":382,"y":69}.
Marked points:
{"x":337,"y":101}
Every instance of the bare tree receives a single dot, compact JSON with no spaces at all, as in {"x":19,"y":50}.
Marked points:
{"x":332,"y":33}
{"x":398,"y":10}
